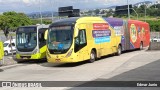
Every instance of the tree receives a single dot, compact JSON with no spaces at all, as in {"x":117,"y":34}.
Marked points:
{"x":110,"y":13}
{"x":12,"y":20}
{"x":96,"y":11}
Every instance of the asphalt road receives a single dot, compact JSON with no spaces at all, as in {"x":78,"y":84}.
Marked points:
{"x":131,"y":66}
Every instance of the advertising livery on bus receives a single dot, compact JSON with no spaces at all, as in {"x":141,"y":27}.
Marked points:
{"x":88,"y":38}
{"x":30,"y":42}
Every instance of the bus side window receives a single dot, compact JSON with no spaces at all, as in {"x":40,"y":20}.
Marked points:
{"x":42,"y":40}
{"x":81,"y":40}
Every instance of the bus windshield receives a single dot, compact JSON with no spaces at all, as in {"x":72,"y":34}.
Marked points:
{"x":26,"y":39}
{"x":60,"y":39}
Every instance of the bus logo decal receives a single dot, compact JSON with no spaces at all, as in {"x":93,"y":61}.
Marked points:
{"x":101,"y":33}
{"x":133,"y":33}
{"x":102,"y":39}
{"x":100,"y":26}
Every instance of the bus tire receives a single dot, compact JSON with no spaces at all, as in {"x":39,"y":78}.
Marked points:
{"x":141,"y":46}
{"x":119,"y":50}
{"x":92,"y":56}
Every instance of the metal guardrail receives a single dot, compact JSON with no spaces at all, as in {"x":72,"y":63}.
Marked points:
{"x":155,"y":36}
{"x":155,"y":41}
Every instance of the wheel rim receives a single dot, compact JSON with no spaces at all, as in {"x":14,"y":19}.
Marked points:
{"x":119,"y":50}
{"x":141,"y":47}
{"x":92,"y":56}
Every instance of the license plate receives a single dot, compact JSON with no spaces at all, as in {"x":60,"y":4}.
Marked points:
{"x":58,"y":60}
{"x":25,"y":58}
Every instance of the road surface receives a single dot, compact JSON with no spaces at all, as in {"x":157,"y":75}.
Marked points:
{"x":130,"y":66}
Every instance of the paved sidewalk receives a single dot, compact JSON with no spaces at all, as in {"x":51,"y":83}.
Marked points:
{"x":8,"y":60}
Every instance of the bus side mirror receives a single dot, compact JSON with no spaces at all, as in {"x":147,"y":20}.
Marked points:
{"x":46,"y":34}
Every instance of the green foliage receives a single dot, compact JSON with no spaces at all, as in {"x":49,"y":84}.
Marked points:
{"x":109,"y":13}
{"x":154,"y":25}
{"x":12,"y":20}
{"x":47,"y":21}
{"x":96,"y":11}
{"x":38,"y":21}
{"x":150,"y":11}
{"x":152,"y":15}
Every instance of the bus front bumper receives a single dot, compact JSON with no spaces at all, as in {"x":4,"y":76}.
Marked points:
{"x":61,"y":59}
{"x":33,"y":57}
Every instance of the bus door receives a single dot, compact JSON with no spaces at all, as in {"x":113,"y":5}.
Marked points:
{"x":42,"y":41}
{"x":113,"y":42}
{"x":81,"y":42}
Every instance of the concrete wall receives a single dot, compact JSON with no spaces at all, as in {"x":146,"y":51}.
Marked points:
{"x":154,"y":46}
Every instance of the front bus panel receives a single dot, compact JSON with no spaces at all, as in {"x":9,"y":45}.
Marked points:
{"x":39,"y":50}
{"x":60,"y":44}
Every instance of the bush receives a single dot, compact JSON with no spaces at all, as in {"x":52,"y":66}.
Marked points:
{"x":154,"y":25}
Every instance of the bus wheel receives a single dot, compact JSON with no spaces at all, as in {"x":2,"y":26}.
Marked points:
{"x":141,"y":46}
{"x":119,"y":50}
{"x":92,"y":57}
{"x":5,"y":53}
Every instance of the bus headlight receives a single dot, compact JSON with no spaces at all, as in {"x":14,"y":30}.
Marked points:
{"x":69,"y":53}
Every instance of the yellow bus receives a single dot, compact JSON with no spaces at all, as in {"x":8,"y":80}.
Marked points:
{"x":30,"y":42}
{"x":1,"y":50}
{"x":88,"y":38}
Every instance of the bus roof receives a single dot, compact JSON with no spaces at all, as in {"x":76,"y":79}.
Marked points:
{"x":67,"y":21}
{"x":73,"y":20}
{"x":29,"y":26}
{"x":36,"y":26}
